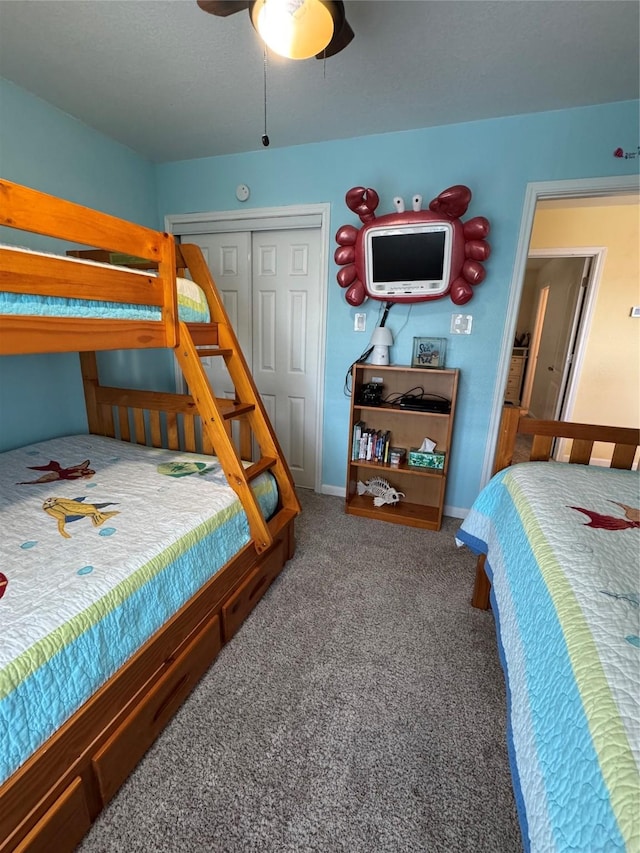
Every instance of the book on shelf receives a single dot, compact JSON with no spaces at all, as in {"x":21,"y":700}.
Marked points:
{"x":370,"y":445}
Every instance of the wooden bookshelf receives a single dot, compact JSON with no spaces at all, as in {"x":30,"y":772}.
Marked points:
{"x":423,"y":488}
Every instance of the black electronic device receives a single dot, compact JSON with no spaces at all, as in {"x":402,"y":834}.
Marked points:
{"x":370,"y":394}
{"x":425,"y":404}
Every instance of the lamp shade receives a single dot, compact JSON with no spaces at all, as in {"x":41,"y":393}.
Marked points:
{"x":295,"y":29}
{"x":381,"y":340}
{"x":381,"y":336}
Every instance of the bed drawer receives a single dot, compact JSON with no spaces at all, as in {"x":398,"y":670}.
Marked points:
{"x":63,"y":826}
{"x":124,"y":749}
{"x":236,"y":609}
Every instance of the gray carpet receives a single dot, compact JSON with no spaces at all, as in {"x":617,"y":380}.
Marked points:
{"x":361,"y":708}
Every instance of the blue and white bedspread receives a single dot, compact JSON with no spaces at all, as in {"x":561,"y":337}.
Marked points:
{"x":192,"y":302}
{"x":102,"y":542}
{"x":563,"y":556}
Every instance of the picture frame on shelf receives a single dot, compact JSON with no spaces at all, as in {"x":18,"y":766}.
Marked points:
{"x":429,"y":352}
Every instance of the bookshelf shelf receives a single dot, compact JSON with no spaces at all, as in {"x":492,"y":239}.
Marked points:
{"x":423,"y":488}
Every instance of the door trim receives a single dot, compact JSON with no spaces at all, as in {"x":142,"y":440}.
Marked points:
{"x":535,"y":192}
{"x":272,"y":219}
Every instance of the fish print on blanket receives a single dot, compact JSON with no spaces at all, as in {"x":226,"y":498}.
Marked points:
{"x":611,"y":522}
{"x":55,"y":472}
{"x":4,"y":582}
{"x":184,"y":469}
{"x":65,"y":511}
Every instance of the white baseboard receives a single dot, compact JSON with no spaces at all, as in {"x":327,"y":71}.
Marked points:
{"x":336,"y":491}
{"x":455,"y":512}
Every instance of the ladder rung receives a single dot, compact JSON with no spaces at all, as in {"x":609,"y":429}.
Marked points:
{"x":203,"y":334}
{"x":205,"y":353}
{"x":282,"y":517}
{"x":263,"y":464}
{"x":230,"y":409}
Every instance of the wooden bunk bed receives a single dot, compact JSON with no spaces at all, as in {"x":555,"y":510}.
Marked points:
{"x":51,"y":799}
{"x":558,"y":545}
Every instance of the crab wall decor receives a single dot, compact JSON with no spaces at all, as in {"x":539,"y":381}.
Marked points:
{"x":469,"y":249}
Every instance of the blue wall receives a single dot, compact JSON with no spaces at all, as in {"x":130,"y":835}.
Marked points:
{"x":41,"y":395}
{"x":45,"y":148}
{"x":496,"y":159}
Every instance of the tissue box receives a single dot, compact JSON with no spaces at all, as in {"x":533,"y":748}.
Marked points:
{"x":421,"y":459}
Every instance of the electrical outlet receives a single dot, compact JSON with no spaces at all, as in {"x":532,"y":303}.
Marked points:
{"x":635,"y":311}
{"x":360,"y":323}
{"x":461,"y":324}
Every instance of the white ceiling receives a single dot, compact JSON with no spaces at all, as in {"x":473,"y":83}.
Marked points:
{"x":172,"y":82}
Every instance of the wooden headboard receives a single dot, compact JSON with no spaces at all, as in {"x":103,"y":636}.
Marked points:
{"x":625,"y":440}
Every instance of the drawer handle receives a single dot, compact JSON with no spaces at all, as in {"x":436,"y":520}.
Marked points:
{"x":258,"y":586}
{"x":169,"y":697}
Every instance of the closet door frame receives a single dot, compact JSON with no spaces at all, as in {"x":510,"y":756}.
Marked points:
{"x":273,"y":219}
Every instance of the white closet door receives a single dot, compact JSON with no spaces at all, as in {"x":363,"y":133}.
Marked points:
{"x":228,"y":257}
{"x":286,"y":324}
{"x":270,"y":285}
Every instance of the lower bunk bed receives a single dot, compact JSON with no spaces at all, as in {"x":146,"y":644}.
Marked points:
{"x":125,"y":569}
{"x":558,"y":549}
{"x":129,"y":555}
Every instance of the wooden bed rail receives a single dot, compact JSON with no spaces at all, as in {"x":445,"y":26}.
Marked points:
{"x":31,"y":210}
{"x":26,"y":209}
{"x":625,"y":440}
{"x":160,"y":419}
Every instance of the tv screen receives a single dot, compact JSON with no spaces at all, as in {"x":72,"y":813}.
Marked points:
{"x":412,"y":259}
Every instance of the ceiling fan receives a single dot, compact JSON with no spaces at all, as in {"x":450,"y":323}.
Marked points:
{"x":296,"y":29}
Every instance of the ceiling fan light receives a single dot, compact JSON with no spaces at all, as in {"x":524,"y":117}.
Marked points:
{"x":295,"y":29}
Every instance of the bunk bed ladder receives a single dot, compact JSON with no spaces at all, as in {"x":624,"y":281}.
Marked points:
{"x":217,"y":413}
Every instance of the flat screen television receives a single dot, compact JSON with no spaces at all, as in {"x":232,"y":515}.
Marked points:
{"x":408,"y":260}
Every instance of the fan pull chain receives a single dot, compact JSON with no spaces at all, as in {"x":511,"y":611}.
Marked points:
{"x":265,"y":136}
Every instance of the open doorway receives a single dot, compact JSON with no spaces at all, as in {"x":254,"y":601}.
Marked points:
{"x":551,"y":328}
{"x":609,"y":360}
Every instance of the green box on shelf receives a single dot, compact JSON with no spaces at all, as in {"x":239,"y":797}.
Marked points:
{"x":422,"y":459}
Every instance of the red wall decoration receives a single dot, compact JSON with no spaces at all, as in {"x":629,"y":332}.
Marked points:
{"x":469,"y":249}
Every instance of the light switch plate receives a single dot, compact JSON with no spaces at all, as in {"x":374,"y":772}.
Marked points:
{"x":360,"y":323}
{"x":461,"y":324}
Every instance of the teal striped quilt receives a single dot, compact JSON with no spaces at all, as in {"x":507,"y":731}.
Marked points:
{"x":102,"y":542}
{"x":192,"y":302}
{"x":563,"y":556}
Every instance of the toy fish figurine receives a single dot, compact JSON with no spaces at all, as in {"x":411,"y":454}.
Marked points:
{"x":65,"y":511}
{"x":382,"y":491}
{"x":55,"y":471}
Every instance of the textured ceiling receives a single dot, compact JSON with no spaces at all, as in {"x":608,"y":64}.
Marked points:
{"x":173,"y":82}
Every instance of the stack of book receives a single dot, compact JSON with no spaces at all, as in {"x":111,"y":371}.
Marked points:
{"x":370,"y":445}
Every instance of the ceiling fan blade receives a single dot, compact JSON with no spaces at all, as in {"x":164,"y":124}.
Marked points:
{"x":343,"y":34}
{"x":224,"y":8}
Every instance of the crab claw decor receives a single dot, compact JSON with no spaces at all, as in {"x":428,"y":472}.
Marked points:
{"x":465,"y":251}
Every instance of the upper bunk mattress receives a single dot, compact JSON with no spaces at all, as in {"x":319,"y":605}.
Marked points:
{"x":192,"y":302}
{"x":102,"y":542}
{"x":562,"y":544}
